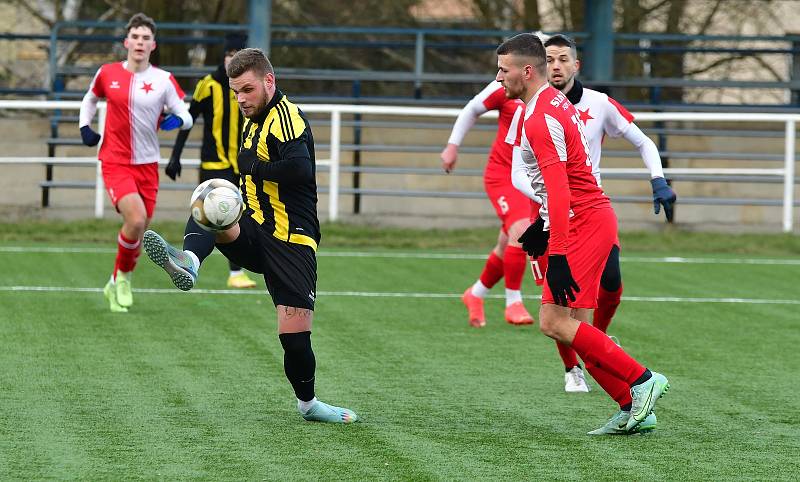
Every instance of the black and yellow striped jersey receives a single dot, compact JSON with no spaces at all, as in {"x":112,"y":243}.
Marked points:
{"x":222,"y":122}
{"x":280,"y":190}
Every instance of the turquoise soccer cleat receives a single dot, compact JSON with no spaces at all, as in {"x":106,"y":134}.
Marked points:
{"x":616,"y":425}
{"x":175,"y":262}
{"x":322,"y":412}
{"x":644,"y":397}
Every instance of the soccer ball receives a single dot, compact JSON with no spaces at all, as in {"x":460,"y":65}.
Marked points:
{"x":216,"y":205}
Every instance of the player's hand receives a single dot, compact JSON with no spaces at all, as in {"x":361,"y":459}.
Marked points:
{"x":663,"y":195}
{"x":173,"y":169}
{"x":89,"y":137}
{"x":534,"y":240}
{"x":449,"y":157}
{"x":246,"y":160}
{"x":560,"y":280}
{"x":170,"y":122}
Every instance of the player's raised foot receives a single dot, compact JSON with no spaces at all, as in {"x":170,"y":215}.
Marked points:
{"x":110,"y":292}
{"x":644,"y":397}
{"x":240,"y":280}
{"x":474,"y":306}
{"x":123,"y":288}
{"x":575,"y":381}
{"x":617,"y":425}
{"x":322,"y":412}
{"x":516,"y":314}
{"x":176,"y":263}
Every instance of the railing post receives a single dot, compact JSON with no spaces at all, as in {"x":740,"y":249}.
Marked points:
{"x":333,"y":191}
{"x":788,"y":177}
{"x":99,"y":187}
{"x":419,"y":63}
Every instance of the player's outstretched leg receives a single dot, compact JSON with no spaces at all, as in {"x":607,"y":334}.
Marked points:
{"x":617,"y":425}
{"x":178,"y":264}
{"x":644,"y":396}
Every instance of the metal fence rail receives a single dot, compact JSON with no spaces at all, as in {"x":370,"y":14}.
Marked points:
{"x":785,"y":175}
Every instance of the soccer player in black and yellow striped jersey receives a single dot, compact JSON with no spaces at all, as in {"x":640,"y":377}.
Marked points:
{"x":222,"y":133}
{"x":279,"y":232}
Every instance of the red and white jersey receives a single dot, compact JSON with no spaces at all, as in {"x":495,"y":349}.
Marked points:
{"x":552,"y":134}
{"x":601,"y":116}
{"x":492,"y":97}
{"x":135,"y":104}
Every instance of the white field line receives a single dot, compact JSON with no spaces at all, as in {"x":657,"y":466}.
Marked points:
{"x":371,"y":294}
{"x":453,"y":256}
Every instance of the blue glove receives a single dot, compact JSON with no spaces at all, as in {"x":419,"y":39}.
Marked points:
{"x":171,"y":122}
{"x":535,"y":239}
{"x":89,"y":137}
{"x":560,"y":280}
{"x":663,"y":194}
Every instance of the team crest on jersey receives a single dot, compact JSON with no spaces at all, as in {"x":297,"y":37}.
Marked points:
{"x":147,"y":87}
{"x":584,"y":115}
{"x":114,"y":85}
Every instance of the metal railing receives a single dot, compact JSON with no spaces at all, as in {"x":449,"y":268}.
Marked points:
{"x":335,"y":148}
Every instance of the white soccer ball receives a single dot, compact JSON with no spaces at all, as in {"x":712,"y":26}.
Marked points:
{"x":216,"y":205}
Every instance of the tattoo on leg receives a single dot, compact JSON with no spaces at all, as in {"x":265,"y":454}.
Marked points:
{"x":292,"y":311}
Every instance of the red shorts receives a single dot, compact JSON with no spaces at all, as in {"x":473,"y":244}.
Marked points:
{"x":592,"y":234}
{"x":124,"y":179}
{"x":509,"y":203}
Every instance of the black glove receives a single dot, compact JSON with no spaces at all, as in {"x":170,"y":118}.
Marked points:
{"x":662,"y":194}
{"x":246,"y":160}
{"x":173,"y":168}
{"x":534,"y":240}
{"x":89,"y":137}
{"x":560,"y":280}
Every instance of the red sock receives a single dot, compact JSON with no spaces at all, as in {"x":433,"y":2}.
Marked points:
{"x":492,"y":270}
{"x":127,"y":253}
{"x":567,"y":355}
{"x":596,"y":347}
{"x":514,"y":262}
{"x":607,"y":302}
{"x":616,"y":388}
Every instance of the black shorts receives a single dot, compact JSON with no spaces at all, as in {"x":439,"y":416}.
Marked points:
{"x":227,"y":174}
{"x":290,"y":270}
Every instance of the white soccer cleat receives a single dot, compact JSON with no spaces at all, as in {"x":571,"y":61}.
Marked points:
{"x":575,"y":381}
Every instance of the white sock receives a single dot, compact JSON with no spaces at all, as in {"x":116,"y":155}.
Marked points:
{"x":195,"y":260}
{"x":304,"y":407}
{"x":512,"y":296}
{"x":479,"y":289}
{"x":235,"y":272}
{"x":113,"y":280}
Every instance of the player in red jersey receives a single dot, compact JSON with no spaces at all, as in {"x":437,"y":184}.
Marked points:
{"x":507,"y":259}
{"x":137,"y":94}
{"x":583,"y":231}
{"x":601,"y":116}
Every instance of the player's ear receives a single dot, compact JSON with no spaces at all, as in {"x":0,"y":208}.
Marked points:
{"x":577,"y":65}
{"x":125,"y":42}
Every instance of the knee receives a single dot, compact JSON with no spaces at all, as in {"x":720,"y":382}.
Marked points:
{"x":547,"y":325}
{"x":136,"y":223}
{"x":611,"y":279}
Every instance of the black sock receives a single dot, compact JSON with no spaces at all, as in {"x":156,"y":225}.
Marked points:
{"x":645,"y":376}
{"x":299,"y":363}
{"x":197,"y":240}
{"x":233,"y":266}
{"x":626,"y":407}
